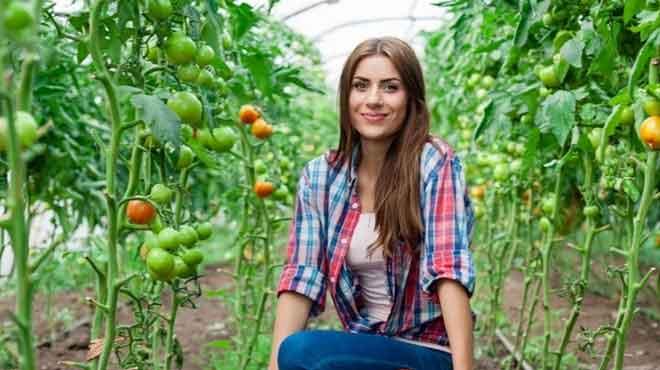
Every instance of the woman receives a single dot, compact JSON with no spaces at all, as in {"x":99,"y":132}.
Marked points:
{"x":384,"y":224}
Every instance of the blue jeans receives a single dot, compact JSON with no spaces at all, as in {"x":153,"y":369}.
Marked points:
{"x":337,"y":350}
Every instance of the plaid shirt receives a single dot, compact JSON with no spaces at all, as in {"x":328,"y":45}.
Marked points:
{"x":326,"y":213}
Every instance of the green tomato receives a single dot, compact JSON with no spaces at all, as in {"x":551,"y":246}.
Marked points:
{"x":168,"y":239}
{"x":515,"y":166}
{"x":156,"y":224}
{"x":281,"y":194}
{"x":627,"y":116}
{"x":544,"y":92}
{"x":161,"y":194}
{"x":226,"y":41}
{"x":560,"y":39}
{"x":182,"y":269}
{"x":501,"y":171}
{"x":549,"y":77}
{"x":205,"y":55}
{"x":547,"y":19}
{"x":652,"y":107}
{"x":545,"y":224}
{"x":487,"y":82}
{"x":204,"y":230}
{"x":188,"y":236}
{"x":153,"y":54}
{"x":187,"y":107}
{"x":260,"y":167}
{"x":205,"y":79}
{"x":159,"y":9}
{"x":160,"y":264}
{"x":591,"y":211}
{"x":548,"y":204}
{"x":474,"y":79}
{"x":193,"y":257}
{"x":481,"y":93}
{"x":180,"y":49}
{"x":221,"y":140}
{"x":526,"y":119}
{"x":18,"y":16}
{"x":188,"y":73}
{"x":186,"y":157}
{"x":26,"y":129}
{"x":594,"y":137}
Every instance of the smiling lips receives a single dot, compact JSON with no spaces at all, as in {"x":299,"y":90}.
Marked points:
{"x":374,"y":117}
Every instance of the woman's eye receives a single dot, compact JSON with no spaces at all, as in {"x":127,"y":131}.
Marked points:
{"x":359,"y":85}
{"x":391,"y":88}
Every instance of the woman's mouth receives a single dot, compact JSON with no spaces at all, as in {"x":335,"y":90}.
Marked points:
{"x":374,"y":117}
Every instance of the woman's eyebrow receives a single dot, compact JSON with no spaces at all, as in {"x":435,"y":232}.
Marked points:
{"x":391,"y":79}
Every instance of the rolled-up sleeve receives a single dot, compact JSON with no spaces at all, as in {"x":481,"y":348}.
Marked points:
{"x":448,"y":222}
{"x":305,"y":268}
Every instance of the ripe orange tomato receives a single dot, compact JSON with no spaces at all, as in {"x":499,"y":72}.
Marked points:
{"x":649,"y":132}
{"x":261,"y":129}
{"x":248,"y":114}
{"x":140,"y":212}
{"x":263,"y":188}
{"x":478,"y":191}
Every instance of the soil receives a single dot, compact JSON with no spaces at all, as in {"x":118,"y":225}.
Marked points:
{"x":196,"y":328}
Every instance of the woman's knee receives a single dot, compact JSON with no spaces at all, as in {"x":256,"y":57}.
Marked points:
{"x":292,"y":351}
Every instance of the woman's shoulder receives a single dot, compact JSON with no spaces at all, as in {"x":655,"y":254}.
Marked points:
{"x":435,"y":152}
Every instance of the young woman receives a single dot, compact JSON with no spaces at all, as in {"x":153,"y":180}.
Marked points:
{"x":383,"y":223}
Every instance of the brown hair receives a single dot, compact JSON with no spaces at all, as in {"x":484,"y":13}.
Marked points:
{"x":397,"y":196}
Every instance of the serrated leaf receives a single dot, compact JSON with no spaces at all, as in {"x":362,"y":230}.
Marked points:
{"x":243,"y":18}
{"x":260,"y":69}
{"x":164,"y":124}
{"x":571,"y":51}
{"x":557,"y":115}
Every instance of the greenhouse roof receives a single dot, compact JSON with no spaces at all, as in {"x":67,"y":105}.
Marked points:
{"x":336,"y":26}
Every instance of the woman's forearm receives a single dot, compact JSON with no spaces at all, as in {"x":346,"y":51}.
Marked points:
{"x":455,"y":306}
{"x":291,"y":316}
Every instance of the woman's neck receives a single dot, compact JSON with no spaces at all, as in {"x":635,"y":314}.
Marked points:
{"x":372,"y":158}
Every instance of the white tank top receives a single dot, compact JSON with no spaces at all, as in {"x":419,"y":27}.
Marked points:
{"x":371,"y":274}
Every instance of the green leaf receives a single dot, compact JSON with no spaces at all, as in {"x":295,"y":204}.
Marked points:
{"x":259,"y":66}
{"x":641,"y":62}
{"x":524,"y":22}
{"x":164,"y":124}
{"x":631,"y":8}
{"x":243,"y":18}
{"x":201,"y":153}
{"x":571,"y":51}
{"x":486,"y":120}
{"x":557,"y":115}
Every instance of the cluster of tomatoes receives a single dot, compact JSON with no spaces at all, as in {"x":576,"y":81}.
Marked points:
{"x":168,"y":253}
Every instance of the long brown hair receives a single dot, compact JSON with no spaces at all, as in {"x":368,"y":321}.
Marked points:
{"x":397,"y":196}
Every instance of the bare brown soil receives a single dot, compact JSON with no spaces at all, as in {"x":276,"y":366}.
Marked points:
{"x":208,"y":322}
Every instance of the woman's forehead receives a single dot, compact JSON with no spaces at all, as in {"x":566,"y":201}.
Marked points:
{"x":376,"y":67}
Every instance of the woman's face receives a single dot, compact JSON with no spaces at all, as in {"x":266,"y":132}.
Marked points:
{"x":378,"y":100}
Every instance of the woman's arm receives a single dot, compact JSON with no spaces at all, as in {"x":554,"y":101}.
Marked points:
{"x":458,"y":322}
{"x":291,"y":316}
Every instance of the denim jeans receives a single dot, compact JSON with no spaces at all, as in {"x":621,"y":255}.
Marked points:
{"x":336,"y":350}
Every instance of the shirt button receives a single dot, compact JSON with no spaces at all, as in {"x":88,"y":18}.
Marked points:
{"x":355,"y":206}
{"x":344,"y":241}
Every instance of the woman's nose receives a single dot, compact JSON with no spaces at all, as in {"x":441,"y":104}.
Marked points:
{"x":374,"y":97}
